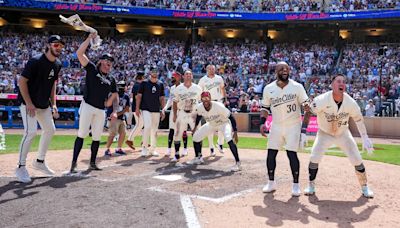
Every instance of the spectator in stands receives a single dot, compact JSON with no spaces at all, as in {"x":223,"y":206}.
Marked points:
{"x":370,"y":109}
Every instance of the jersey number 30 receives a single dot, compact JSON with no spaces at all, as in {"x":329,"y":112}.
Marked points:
{"x":291,"y":108}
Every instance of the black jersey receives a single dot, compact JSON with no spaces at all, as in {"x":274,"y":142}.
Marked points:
{"x":97,"y":86}
{"x":151,"y":93}
{"x":135,"y":90}
{"x":41,"y":75}
{"x":123,"y":103}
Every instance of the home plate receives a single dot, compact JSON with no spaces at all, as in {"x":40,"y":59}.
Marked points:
{"x":173,"y":177}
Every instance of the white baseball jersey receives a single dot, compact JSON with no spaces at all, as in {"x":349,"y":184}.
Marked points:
{"x":216,"y":116}
{"x":187,"y":98}
{"x":284,"y":103}
{"x":332,"y":120}
{"x":170,"y":98}
{"x":212,"y":85}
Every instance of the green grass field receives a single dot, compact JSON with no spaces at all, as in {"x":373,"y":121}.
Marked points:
{"x":384,"y":153}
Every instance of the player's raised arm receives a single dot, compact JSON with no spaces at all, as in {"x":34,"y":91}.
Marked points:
{"x":80,"y":53}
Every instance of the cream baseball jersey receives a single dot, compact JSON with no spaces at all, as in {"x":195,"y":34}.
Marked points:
{"x":212,"y":85}
{"x":170,"y":98}
{"x":187,"y":98}
{"x":216,"y":116}
{"x":284,"y":103}
{"x":331,"y":119}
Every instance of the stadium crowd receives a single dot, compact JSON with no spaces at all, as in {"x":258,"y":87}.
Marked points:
{"x":255,"y":5}
{"x":244,"y":66}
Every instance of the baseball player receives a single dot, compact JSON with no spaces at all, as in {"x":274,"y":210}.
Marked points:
{"x":186,"y":97}
{"x":218,"y":118}
{"x":333,"y":110}
{"x":283,"y":98}
{"x":149,"y":100}
{"x":119,"y":125}
{"x":176,"y":81}
{"x":214,"y":84}
{"x":99,"y":84}
{"x":37,"y":92}
{"x":138,"y":120}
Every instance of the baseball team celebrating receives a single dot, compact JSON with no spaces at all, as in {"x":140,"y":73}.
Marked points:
{"x":198,"y":107}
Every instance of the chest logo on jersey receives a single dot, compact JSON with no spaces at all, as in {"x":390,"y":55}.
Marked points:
{"x":103,"y":80}
{"x":283,"y":100}
{"x":188,"y":95}
{"x":212,"y":85}
{"x":51,"y":74}
{"x":154,"y":89}
{"x":332,"y":117}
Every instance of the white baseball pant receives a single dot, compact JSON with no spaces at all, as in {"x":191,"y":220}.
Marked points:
{"x":345,"y":142}
{"x":171,"y":123}
{"x":151,"y":121}
{"x":284,"y":137}
{"x":207,"y":129}
{"x":91,"y":118}
{"x":129,"y":116}
{"x":46,"y":122}
{"x":184,"y":119}
{"x":138,"y":127}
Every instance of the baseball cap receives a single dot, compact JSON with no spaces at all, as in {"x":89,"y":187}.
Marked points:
{"x":176,"y":74}
{"x":121,"y":84}
{"x":55,"y":39}
{"x":139,"y":75}
{"x":154,"y":70}
{"x":107,"y":56}
{"x":205,"y":94}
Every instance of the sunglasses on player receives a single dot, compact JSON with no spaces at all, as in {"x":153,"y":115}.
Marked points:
{"x":57,"y":45}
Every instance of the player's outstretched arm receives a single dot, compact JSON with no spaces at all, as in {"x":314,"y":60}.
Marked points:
{"x":80,"y":53}
{"x":367,"y":143}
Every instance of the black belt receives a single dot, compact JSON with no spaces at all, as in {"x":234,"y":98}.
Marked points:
{"x":187,"y":111}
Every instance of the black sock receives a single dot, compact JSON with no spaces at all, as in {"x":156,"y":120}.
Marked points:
{"x":177,"y":146}
{"x":40,"y":161}
{"x":294,"y":165}
{"x":197,"y":148}
{"x":77,"y":148}
{"x":360,"y":168}
{"x":312,"y":171}
{"x":185,"y":140}
{"x":221,"y":147}
{"x":234,"y":150}
{"x":94,"y":148}
{"x":271,"y":163}
{"x":170,"y":137}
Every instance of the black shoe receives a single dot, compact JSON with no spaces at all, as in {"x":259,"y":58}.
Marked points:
{"x":73,"y":168}
{"x":93,"y":166}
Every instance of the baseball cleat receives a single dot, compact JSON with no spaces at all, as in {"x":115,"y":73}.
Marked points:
{"x":130,"y":144}
{"x":168,"y":152}
{"x":144,"y":152}
{"x":237,"y":167}
{"x":22,"y":175}
{"x":185,"y":152}
{"x":42,"y":167}
{"x":213,"y":154}
{"x":93,"y":166}
{"x":107,"y":153}
{"x":270,"y":187}
{"x":367,"y":192}
{"x":120,"y":152}
{"x":296,"y":190}
{"x":310,"y":190}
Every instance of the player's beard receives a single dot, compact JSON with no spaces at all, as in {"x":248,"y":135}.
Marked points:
{"x":54,"y":52}
{"x":283,"y":78}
